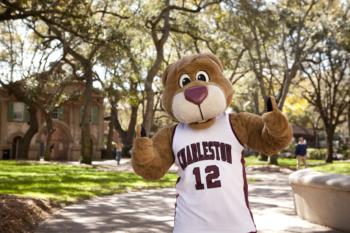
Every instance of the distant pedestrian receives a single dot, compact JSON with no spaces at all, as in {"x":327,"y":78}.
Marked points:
{"x":300,"y":152}
{"x":119,"y":149}
{"x":52,"y":147}
{"x":114,"y":150}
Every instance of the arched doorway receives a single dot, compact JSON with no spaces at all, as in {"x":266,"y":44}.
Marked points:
{"x":59,"y":145}
{"x":91,"y":149}
{"x":60,"y":141}
{"x":15,"y":147}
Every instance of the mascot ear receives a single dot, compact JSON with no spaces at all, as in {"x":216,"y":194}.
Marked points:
{"x":214,"y":59}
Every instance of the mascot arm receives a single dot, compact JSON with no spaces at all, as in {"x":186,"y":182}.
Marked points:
{"x":152,"y":158}
{"x":267,"y":134}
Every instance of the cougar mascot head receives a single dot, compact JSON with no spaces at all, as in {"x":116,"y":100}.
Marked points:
{"x":195,"y":89}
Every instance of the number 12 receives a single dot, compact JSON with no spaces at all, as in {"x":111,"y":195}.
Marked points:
{"x":212,"y":181}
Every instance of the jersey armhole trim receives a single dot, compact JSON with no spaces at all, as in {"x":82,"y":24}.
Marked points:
{"x":172,"y":141}
{"x":234,"y":132}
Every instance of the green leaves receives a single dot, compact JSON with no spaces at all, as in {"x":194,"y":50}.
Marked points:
{"x":261,"y":43}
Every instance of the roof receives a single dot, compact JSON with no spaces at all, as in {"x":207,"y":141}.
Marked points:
{"x":74,"y":87}
{"x":302,"y":131}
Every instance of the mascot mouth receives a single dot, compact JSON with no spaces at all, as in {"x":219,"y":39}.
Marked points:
{"x":200,"y":110}
{"x":203,"y":120}
{"x":197,"y":95}
{"x":198,"y":104}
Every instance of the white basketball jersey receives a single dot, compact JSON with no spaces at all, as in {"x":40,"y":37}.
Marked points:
{"x":212,"y":186}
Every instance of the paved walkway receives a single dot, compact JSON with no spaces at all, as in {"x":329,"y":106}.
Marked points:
{"x":153,"y":210}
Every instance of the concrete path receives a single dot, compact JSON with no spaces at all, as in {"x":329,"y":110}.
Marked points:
{"x":272,"y":204}
{"x":153,"y":210}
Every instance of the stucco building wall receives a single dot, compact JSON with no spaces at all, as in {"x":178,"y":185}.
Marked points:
{"x":66,"y":138}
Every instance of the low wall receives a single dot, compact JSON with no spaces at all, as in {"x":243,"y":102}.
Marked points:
{"x":322,"y":198}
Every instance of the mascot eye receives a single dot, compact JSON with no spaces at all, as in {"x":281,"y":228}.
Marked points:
{"x":202,"y":76}
{"x":184,"y":80}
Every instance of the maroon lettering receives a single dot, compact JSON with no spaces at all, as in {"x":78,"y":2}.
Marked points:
{"x":194,"y":152}
{"x":223,"y":152}
{"x":200,"y":155}
{"x":211,"y":150}
{"x":197,"y":175}
{"x":182,"y":158}
{"x":188,"y":155}
{"x":206,"y":150}
{"x":217,"y":144}
{"x":212,"y":178}
{"x":213,"y":174}
{"x":228,"y":153}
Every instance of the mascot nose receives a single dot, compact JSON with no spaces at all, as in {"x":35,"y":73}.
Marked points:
{"x":196,"y":94}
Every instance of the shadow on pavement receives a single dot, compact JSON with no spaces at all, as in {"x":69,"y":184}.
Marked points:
{"x":271,"y":202}
{"x":133,"y":212}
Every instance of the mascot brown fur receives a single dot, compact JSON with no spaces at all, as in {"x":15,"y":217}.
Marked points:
{"x":196,"y":93}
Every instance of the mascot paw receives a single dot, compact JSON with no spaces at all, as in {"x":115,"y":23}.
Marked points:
{"x":271,"y":104}
{"x":143,"y":146}
{"x":274,"y":119}
{"x":140,"y":131}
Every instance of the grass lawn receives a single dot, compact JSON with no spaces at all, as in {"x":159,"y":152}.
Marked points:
{"x":338,"y":167}
{"x":68,"y":183}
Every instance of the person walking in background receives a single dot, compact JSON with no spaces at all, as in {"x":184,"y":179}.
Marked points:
{"x":300,"y":152}
{"x":119,"y":149}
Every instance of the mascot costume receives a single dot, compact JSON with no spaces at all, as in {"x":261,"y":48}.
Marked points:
{"x":207,"y":146}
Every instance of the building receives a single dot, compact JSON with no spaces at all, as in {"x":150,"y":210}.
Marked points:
{"x":308,"y":134}
{"x":66,"y":138}
{"x":115,"y":139}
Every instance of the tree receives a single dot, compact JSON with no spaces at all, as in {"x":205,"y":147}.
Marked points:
{"x":17,"y":89}
{"x":276,"y":38}
{"x":48,"y":90}
{"x":41,"y":92}
{"x":160,"y":34}
{"x":19,"y":77}
{"x":330,"y":93}
{"x":348,"y":116}
{"x":121,"y":90}
{"x":81,"y":39}
{"x":122,"y":81}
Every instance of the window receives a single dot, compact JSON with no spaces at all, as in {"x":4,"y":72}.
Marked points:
{"x":94,"y":114}
{"x":17,"y":112}
{"x":57,"y":113}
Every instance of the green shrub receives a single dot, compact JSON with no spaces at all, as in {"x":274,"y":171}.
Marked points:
{"x":314,"y":153}
{"x":345,"y":153}
{"x":290,"y":148}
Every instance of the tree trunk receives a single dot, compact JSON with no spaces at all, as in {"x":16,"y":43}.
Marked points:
{"x":256,"y":101}
{"x":49,"y":132}
{"x":285,"y":87}
{"x":24,"y":144}
{"x":349,"y":125}
{"x":127,"y":136}
{"x":314,"y":129}
{"x":132,"y":124}
{"x":273,"y":160}
{"x":86,"y":142}
{"x":330,"y":135}
{"x":159,"y":45}
{"x":110,"y":134}
{"x":148,"y":118}
{"x":263,"y":157}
